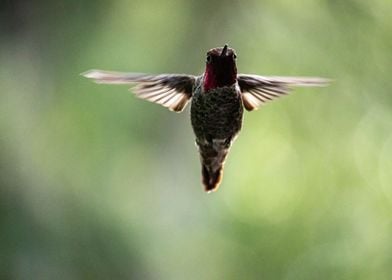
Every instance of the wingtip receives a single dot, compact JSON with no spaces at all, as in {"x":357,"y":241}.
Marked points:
{"x":318,"y":81}
{"x":91,"y":74}
{"x":105,"y":77}
{"x":328,"y":81}
{"x":323,"y":82}
{"x":302,"y":81}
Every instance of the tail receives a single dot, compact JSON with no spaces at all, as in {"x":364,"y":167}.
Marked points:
{"x":211,"y":178}
{"x":212,"y":158}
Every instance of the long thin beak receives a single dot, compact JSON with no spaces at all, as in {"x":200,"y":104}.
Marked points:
{"x":224,"y":50}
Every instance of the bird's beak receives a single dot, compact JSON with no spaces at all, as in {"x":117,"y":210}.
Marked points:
{"x":224,"y":50}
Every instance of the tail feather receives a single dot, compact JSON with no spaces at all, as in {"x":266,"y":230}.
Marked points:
{"x":212,"y":156}
{"x":211,"y":179}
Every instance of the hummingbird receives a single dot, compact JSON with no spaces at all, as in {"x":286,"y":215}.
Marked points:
{"x":218,"y":98}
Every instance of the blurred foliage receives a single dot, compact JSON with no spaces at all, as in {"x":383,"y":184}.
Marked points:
{"x":96,"y":184}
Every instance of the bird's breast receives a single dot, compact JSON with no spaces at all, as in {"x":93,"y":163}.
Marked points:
{"x":216,"y":113}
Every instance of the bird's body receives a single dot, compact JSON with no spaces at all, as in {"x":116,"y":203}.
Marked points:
{"x":218,"y":98}
{"x":216,"y":117}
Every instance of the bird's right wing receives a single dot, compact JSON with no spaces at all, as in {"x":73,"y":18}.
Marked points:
{"x":257,"y":90}
{"x":172,"y":91}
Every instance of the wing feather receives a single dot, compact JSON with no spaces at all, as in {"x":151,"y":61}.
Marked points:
{"x":257,"y":90}
{"x":172,"y":91}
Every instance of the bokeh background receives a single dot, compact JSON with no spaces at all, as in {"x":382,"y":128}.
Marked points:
{"x":96,"y":184}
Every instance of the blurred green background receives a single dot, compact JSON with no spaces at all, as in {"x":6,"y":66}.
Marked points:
{"x":97,"y":184}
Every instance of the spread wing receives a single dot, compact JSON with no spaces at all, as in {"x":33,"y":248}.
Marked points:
{"x":172,"y":91}
{"x":257,"y":90}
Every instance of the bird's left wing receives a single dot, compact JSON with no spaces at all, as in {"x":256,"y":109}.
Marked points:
{"x":172,"y":91}
{"x":257,"y":90}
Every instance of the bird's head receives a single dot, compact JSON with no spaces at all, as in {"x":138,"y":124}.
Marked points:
{"x":221,"y":69}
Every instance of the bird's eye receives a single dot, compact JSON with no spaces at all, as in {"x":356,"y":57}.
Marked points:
{"x":209,"y":58}
{"x":234,"y":56}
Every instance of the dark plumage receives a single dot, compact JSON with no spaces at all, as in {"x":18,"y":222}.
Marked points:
{"x":216,"y":117}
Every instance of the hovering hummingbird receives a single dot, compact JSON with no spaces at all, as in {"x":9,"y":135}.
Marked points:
{"x":217,"y":97}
